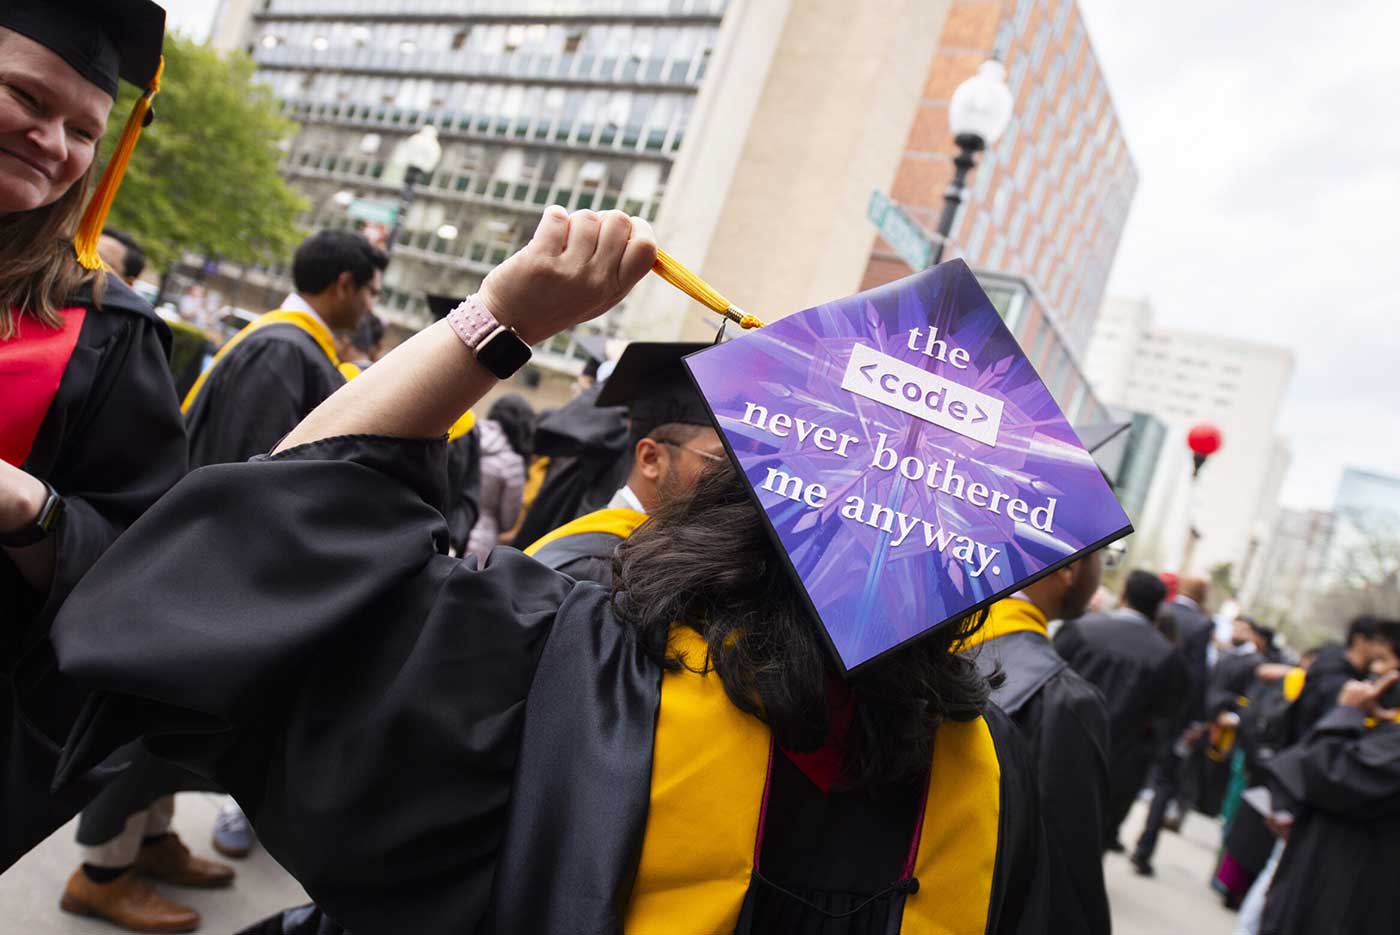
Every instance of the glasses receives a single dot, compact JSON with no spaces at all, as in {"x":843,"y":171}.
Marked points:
{"x":707,"y":455}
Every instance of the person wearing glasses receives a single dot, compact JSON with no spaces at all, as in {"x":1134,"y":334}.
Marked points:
{"x":673,"y":441}
{"x":1064,"y":721}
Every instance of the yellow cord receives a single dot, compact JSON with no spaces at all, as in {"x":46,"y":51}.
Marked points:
{"x":90,"y":229}
{"x":674,"y":272}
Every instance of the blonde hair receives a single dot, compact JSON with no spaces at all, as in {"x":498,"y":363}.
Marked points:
{"x":39,"y":272}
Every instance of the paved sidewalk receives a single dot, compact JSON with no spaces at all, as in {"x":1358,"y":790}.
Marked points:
{"x":1177,"y":900}
{"x":29,"y":891}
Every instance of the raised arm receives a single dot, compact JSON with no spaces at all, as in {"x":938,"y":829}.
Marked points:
{"x":576,"y":267}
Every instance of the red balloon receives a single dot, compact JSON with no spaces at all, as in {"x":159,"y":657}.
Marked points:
{"x":1204,"y":439}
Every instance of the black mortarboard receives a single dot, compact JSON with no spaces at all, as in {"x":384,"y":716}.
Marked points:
{"x":653,"y":384}
{"x":596,"y":347}
{"x":102,"y":39}
{"x":440,"y":305}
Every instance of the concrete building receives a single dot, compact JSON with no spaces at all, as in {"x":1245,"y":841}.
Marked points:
{"x":1365,"y":542}
{"x":772,"y":119}
{"x":1185,"y":378}
{"x":1049,"y":201}
{"x":1283,"y":582}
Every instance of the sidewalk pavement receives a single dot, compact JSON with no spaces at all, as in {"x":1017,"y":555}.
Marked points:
{"x":29,"y":890}
{"x":1178,"y":899}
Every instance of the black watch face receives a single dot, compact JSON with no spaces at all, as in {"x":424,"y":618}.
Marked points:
{"x":503,"y":354}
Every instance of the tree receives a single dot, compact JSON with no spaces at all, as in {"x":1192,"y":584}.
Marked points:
{"x":204,"y":177}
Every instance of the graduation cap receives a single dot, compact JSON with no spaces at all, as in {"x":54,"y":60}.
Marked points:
{"x":103,"y":40}
{"x":595,"y":346}
{"x":651,"y":381}
{"x":908,"y":461}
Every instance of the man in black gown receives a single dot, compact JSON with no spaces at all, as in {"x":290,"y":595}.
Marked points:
{"x":1339,"y":868}
{"x":1065,"y":721}
{"x":275,"y":371}
{"x":673,"y":441}
{"x":1143,"y":680}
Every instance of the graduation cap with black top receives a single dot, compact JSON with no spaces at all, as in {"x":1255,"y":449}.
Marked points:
{"x":906,"y":457}
{"x":651,"y":380}
{"x":104,"y":41}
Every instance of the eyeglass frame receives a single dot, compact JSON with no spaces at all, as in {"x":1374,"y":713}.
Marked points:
{"x":707,"y":455}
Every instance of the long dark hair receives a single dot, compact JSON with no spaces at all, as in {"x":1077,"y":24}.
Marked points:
{"x":704,"y":560}
{"x":517,"y":421}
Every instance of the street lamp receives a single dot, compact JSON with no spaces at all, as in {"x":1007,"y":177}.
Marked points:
{"x":417,"y":156}
{"x":1204,"y":440}
{"x":978,"y":115}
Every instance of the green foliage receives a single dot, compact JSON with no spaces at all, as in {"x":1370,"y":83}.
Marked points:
{"x":204,"y":176}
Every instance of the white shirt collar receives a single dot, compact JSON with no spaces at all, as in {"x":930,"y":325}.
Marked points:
{"x":295,"y":303}
{"x":626,"y":499}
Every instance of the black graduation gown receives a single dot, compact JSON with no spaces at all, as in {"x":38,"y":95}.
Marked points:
{"x":1065,"y":723}
{"x":463,"y":488}
{"x":258,"y":393}
{"x":1193,"y":631}
{"x":1338,"y":873}
{"x":1329,"y":672}
{"x":111,"y":443}
{"x":427,"y":746}
{"x":589,"y":459}
{"x":1144,"y":682}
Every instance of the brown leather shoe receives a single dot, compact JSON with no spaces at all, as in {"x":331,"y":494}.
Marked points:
{"x":169,"y":861}
{"x":128,"y":901}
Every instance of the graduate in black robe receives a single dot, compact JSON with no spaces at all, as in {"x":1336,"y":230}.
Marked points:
{"x":87,"y":404}
{"x":1339,"y":869}
{"x":1143,"y":680}
{"x":518,"y":752}
{"x":673,"y":440}
{"x":587,"y":448}
{"x":276,"y":370}
{"x":1065,"y":722}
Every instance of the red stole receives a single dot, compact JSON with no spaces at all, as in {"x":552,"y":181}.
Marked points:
{"x":31,"y":366}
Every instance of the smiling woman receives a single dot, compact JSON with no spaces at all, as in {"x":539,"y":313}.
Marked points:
{"x":90,"y":432}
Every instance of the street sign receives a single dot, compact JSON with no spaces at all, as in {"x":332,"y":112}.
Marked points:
{"x":376,"y":212}
{"x":913,"y":244}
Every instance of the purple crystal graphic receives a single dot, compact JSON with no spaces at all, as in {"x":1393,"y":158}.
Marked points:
{"x":910,"y":462}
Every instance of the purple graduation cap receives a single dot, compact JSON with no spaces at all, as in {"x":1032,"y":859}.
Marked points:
{"x":910,"y":463}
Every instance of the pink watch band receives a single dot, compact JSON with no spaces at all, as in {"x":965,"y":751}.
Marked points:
{"x":472,"y":321}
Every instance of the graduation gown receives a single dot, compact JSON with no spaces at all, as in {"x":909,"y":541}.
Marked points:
{"x":1144,"y":682}
{"x":1065,"y":723}
{"x":508,"y":758}
{"x":258,"y":390}
{"x":589,"y":459}
{"x":1338,"y":872}
{"x":111,"y":443}
{"x":584,"y":548}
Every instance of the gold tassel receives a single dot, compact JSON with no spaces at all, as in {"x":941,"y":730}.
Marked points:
{"x":671,"y":270}
{"x":95,"y":217}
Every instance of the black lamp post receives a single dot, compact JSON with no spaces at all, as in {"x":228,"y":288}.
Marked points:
{"x":419,"y":155}
{"x":978,"y":114}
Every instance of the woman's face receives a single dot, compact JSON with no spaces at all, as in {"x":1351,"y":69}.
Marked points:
{"x":50,"y":121}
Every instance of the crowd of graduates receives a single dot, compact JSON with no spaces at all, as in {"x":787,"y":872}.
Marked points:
{"x":281,"y":572}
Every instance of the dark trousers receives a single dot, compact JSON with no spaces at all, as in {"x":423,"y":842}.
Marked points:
{"x":1127,"y":771}
{"x":1165,"y":786}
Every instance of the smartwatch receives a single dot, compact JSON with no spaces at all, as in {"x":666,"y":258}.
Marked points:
{"x":37,"y":529}
{"x":497,"y":348}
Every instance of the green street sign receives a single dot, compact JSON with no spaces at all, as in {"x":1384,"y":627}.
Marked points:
{"x":376,"y":212}
{"x":913,"y":244}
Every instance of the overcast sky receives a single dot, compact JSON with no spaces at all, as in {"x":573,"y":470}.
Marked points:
{"x":1266,"y":137}
{"x":1265,"y":133}
{"x":191,"y":17}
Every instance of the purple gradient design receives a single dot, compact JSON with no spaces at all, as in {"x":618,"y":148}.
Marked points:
{"x":870,"y":595}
